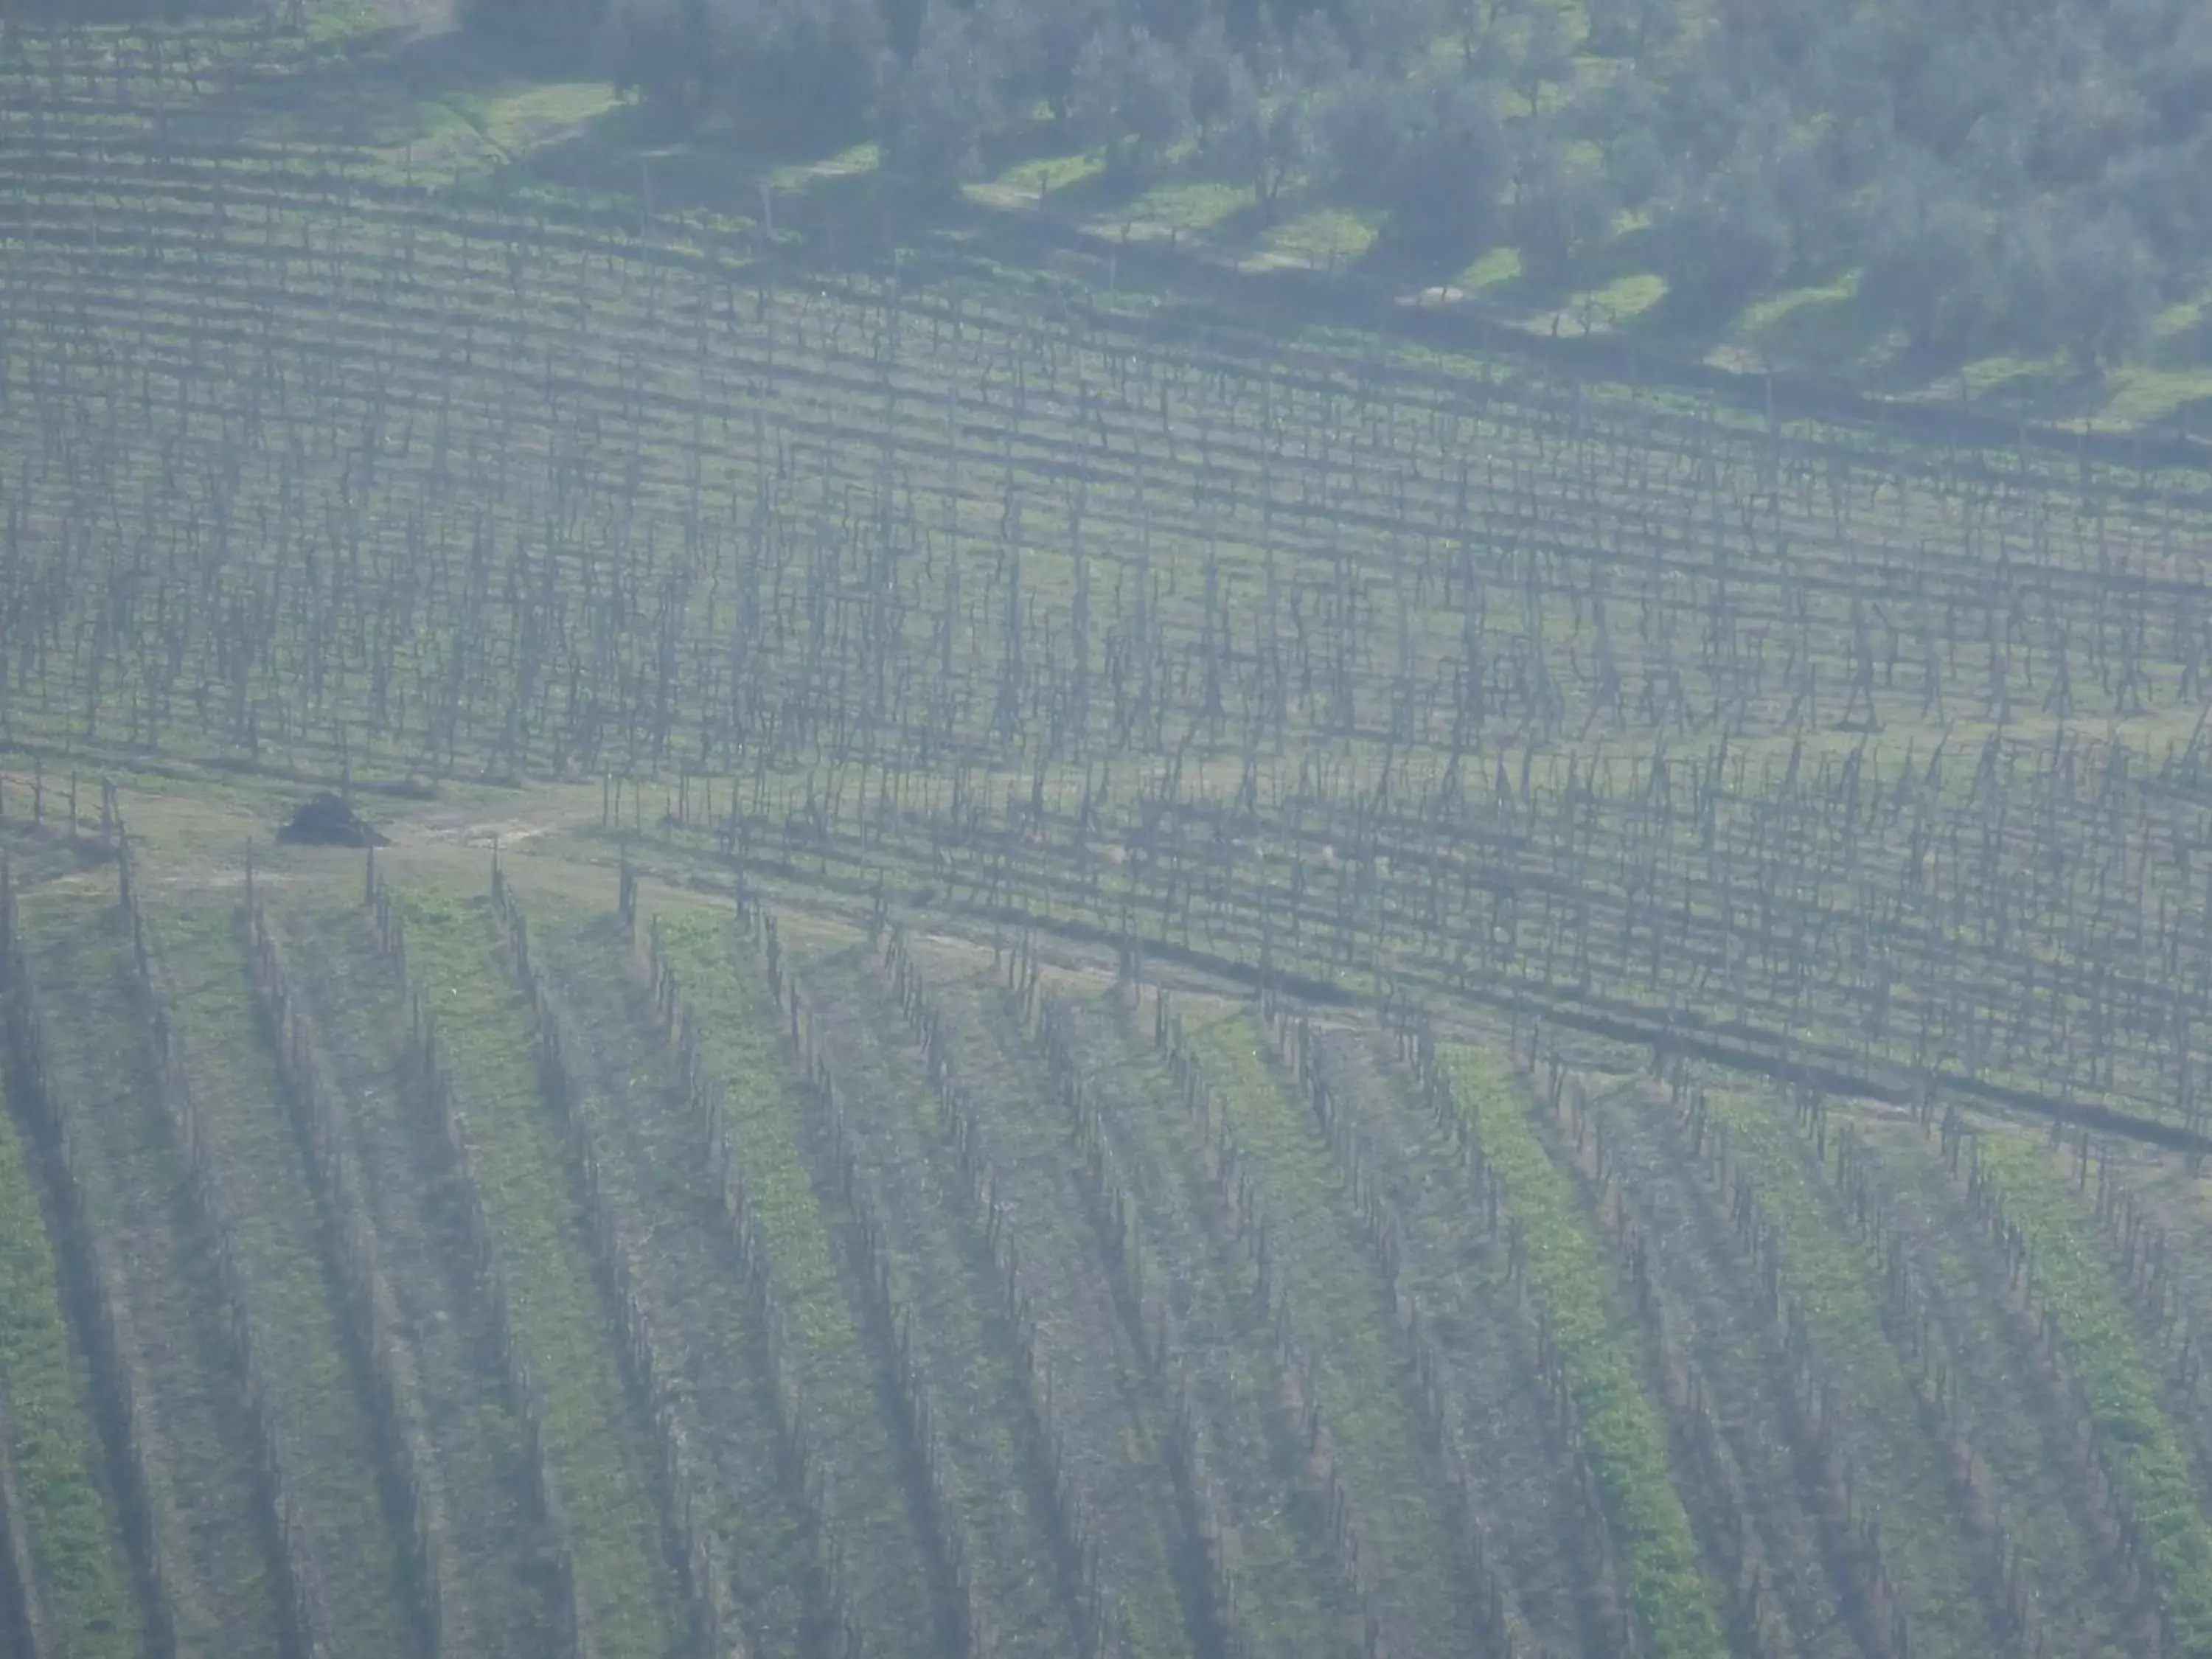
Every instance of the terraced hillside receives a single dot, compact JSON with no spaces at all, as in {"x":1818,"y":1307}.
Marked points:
{"x":1056,"y":973}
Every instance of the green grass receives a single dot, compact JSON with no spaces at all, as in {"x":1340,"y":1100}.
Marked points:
{"x":1319,"y":237}
{"x":1498,"y":268}
{"x":2144,"y":394}
{"x":136,"y":1185}
{"x":1835,"y":1275}
{"x":1290,"y":1596}
{"x":963,"y":1343}
{"x":1116,"y":1427}
{"x":593,"y":1443}
{"x":656,"y":1192}
{"x":74,"y":1545}
{"x":1598,"y":1344}
{"x":1621,"y":300}
{"x":488,"y":1548}
{"x":739,"y":1034}
{"x":306,"y":1351}
{"x":1023,"y":182}
{"x":1343,"y":1317}
{"x":724,"y":993}
{"x":2144,"y":1451}
{"x":1186,"y":206}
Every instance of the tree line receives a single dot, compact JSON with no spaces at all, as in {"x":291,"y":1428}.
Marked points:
{"x":2018,"y":174}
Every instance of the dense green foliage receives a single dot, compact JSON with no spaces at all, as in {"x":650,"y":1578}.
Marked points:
{"x":2029,"y":177}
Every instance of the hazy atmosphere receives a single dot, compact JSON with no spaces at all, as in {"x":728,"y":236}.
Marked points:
{"x":1105,"y":830}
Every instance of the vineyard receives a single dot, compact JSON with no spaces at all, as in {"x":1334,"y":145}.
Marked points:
{"x":1054,"y":976}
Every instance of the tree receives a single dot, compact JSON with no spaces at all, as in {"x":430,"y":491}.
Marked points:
{"x":1040,"y":45}
{"x":1929,"y":265}
{"x":652,"y":47}
{"x":1367,"y":134}
{"x":811,"y":61}
{"x":1633,"y":28}
{"x":1131,"y":96}
{"x":1219,"y":79}
{"x":935,"y":108}
{"x":2167,"y":192}
{"x":561,"y":25}
{"x":1547,"y":56}
{"x":1563,"y":208}
{"x":1625,"y":121}
{"x":2080,"y":279}
{"x":1260,"y":145}
{"x":1389,"y":35}
{"x":1444,"y":192}
{"x":1723,"y":240}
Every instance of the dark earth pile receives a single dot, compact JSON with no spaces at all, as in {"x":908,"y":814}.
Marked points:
{"x":329,"y":820}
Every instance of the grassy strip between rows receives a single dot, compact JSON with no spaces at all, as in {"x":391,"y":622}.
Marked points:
{"x":279,"y":1234}
{"x":657,"y":1188}
{"x":728,"y":998}
{"x":2144,"y":1452}
{"x":1342,"y":1317}
{"x":963,"y":1341}
{"x":1287,"y":1589}
{"x":1598,"y":1341}
{"x":1834,"y":1275}
{"x":1005,"y":1074}
{"x":591,"y":1441}
{"x":75,"y":1546}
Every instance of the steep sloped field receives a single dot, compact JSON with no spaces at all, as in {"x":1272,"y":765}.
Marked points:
{"x":592,"y":1432}
{"x":69,"y":1580}
{"x":738,"y":1270}
{"x":651,"y":1173}
{"x":781,"y":1200}
{"x":194,"y":1497}
{"x":344,"y":1550}
{"x":1226,"y":994}
{"x":497,"y":1596}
